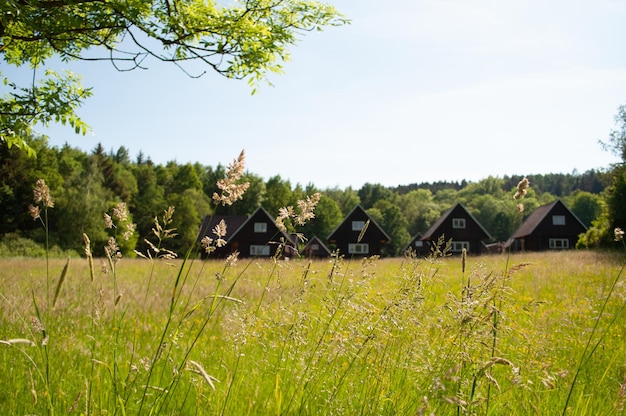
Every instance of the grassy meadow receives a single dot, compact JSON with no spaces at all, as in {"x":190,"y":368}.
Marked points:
{"x":525,"y":334}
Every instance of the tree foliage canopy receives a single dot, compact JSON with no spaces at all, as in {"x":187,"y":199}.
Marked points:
{"x":244,"y":40}
{"x":85,"y":185}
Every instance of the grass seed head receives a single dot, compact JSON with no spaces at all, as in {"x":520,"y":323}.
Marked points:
{"x":232,"y":189}
{"x":522,"y":189}
{"x":41,"y":194}
{"x":108,"y":221}
{"x":34,"y":211}
{"x":120,"y":212}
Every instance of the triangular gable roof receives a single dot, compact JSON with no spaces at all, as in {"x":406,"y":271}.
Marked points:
{"x":538,"y":215}
{"x":372,"y":222}
{"x":316,"y":240}
{"x":233,"y":223}
{"x":415,"y":238}
{"x":269,"y":218}
{"x":428,"y":235}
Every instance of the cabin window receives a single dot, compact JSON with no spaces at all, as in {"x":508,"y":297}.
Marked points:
{"x":259,"y":250}
{"x":358,"y":225}
{"x":419,"y":243}
{"x":458,"y":222}
{"x":559,"y":243}
{"x":260,"y":227}
{"x":315,"y":246}
{"x":458,"y":246}
{"x":358,"y":248}
{"x":558,"y":220}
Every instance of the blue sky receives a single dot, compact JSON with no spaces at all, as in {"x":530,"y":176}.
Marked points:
{"x":411,"y":91}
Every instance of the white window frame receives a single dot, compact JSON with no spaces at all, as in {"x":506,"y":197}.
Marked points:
{"x":558,"y":220}
{"x":558,"y":243}
{"x":458,"y":223}
{"x":358,"y":248}
{"x":259,"y":250}
{"x":358,"y":225}
{"x":419,"y":243}
{"x":458,"y":246}
{"x":260,"y":227}
{"x":315,"y":246}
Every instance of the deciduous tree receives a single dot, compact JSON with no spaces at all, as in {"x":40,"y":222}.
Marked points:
{"x":245,"y":40}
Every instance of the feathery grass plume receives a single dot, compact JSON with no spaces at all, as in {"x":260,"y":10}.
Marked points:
{"x":130,"y":230}
{"x":522,"y":189}
{"x":37,"y":326}
{"x":112,"y":250}
{"x":108,"y":221}
{"x":220,"y":232}
{"x":232,"y":258}
{"x":160,"y":230}
{"x":307,"y":208}
{"x":520,"y":192}
{"x":41,"y":194}
{"x":284,"y":213}
{"x":209,"y":244}
{"x":89,"y":256}
{"x":231,"y":189}
{"x":57,"y":292}
{"x":34,"y":212}
{"x":304,"y":213}
{"x":120,"y":211}
{"x":162,"y":233}
{"x":440,"y":248}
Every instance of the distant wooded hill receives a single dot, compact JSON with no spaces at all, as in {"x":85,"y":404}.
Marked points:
{"x":85,"y":185}
{"x":557,"y":184}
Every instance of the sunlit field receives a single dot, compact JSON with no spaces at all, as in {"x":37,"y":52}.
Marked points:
{"x":530,"y":333}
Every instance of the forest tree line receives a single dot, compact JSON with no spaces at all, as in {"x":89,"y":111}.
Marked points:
{"x":85,"y":185}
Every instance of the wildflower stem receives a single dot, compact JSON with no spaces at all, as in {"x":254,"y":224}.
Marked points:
{"x":45,"y":226}
{"x":266,"y":288}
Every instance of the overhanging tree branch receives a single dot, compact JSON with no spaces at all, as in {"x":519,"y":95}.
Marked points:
{"x":240,"y":41}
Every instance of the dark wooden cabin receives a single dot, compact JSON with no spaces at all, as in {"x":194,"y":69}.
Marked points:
{"x":315,"y":249}
{"x":233,"y":222}
{"x":345,"y":237}
{"x":550,"y":227}
{"x":417,"y":246}
{"x":459,"y":225}
{"x":255,"y":236}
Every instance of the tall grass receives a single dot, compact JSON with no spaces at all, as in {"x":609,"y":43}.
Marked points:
{"x":378,"y":336}
{"x":499,"y":335}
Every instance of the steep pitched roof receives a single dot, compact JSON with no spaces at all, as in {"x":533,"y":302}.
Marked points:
{"x":417,"y":237}
{"x":322,"y":249}
{"x":433,"y":228}
{"x":233,"y":223}
{"x":429,"y":234}
{"x":372,"y":222}
{"x":269,"y":218}
{"x":533,"y":220}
